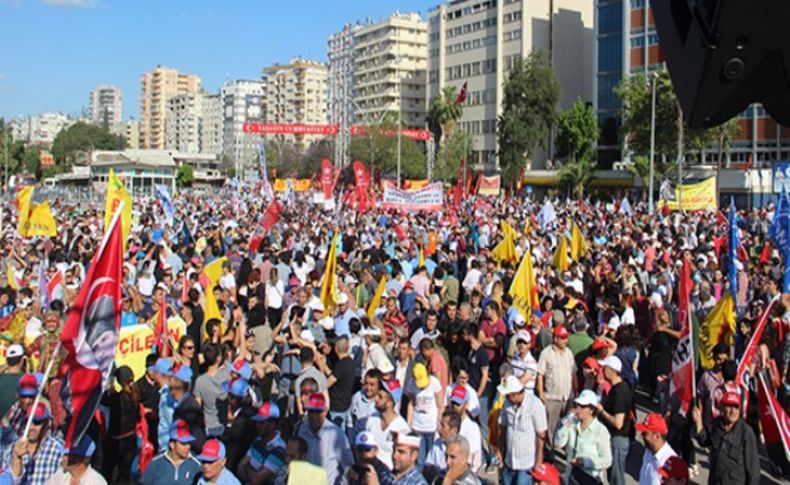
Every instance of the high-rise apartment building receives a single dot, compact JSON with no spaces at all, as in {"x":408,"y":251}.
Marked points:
{"x":390,"y":61}
{"x":211,"y":124}
{"x":182,"y":123}
{"x":478,"y":41}
{"x":296,"y":93}
{"x":132,"y":134}
{"x":340,"y":85}
{"x":241,"y":101}
{"x":40,"y":129}
{"x":106,"y":105}
{"x":627,"y":43}
{"x":156,"y":89}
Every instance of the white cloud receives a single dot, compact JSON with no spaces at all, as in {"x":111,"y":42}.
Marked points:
{"x":70,"y":3}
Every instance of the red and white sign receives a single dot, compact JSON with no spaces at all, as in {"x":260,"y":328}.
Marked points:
{"x":420,"y":135}
{"x":289,"y":129}
{"x":427,"y":198}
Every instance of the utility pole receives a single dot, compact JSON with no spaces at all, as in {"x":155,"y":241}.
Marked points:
{"x":653,"y":82}
{"x":5,"y":167}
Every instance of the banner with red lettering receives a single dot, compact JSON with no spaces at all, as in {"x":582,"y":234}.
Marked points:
{"x":363,"y":182}
{"x":488,"y":185}
{"x":289,"y":129}
{"x":682,"y":382}
{"x":774,"y":420}
{"x":135,"y":342}
{"x":269,"y":219}
{"x":743,"y":375}
{"x":414,"y":134}
{"x":428,"y":198}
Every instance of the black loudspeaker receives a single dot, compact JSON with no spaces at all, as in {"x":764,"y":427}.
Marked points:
{"x":726,"y":54}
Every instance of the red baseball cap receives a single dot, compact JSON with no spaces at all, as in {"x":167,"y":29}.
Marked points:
{"x":599,"y":344}
{"x":731,"y":399}
{"x":40,"y":412}
{"x":561,"y":332}
{"x":653,"y":422}
{"x":546,"y":472}
{"x":459,"y":395}
{"x":212,"y":451}
{"x":674,"y":467}
{"x":316,"y":402}
{"x":591,"y":363}
{"x":27,"y":386}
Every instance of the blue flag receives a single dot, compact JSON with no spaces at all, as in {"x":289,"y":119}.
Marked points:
{"x":186,"y":235}
{"x":778,"y":230}
{"x":167,"y":203}
{"x":732,"y":270}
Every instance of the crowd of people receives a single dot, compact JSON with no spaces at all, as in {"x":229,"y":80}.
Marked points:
{"x":422,"y":371}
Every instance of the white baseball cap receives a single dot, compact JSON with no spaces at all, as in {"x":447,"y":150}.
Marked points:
{"x":523,"y":335}
{"x":342,"y":299}
{"x":14,"y":350}
{"x":511,"y":385}
{"x":519,"y":320}
{"x":612,"y":362}
{"x":587,"y":398}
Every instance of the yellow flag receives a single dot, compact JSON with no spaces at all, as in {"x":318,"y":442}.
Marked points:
{"x":376,"y":301}
{"x":329,"y":283}
{"x":506,"y":249}
{"x":421,"y":261}
{"x":578,"y":244}
{"x":213,"y":272}
{"x":718,"y":327}
{"x":116,"y":193}
{"x":24,"y":202}
{"x":9,"y":271}
{"x":560,"y":261}
{"x":41,"y":222}
{"x":524,"y":288}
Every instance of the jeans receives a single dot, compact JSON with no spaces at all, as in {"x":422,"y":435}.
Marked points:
{"x":339,"y":418}
{"x":620,"y":447}
{"x":516,"y":477}
{"x":484,"y":417}
{"x":426,"y":443}
{"x":215,"y":432}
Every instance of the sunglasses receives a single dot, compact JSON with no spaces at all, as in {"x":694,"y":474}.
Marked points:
{"x":189,"y":347}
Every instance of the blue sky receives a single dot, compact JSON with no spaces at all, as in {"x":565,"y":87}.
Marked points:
{"x":56,"y":51}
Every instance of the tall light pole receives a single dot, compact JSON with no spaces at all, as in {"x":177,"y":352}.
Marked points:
{"x":400,"y":109}
{"x":653,"y":83}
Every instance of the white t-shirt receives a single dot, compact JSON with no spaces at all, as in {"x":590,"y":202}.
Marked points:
{"x":227,"y":281}
{"x":426,"y":410}
{"x":628,"y":317}
{"x":384,"y":437}
{"x":471,"y":431}
{"x":274,"y":294}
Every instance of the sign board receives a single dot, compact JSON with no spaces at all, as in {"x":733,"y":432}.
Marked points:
{"x":781,"y":176}
{"x":427,"y":198}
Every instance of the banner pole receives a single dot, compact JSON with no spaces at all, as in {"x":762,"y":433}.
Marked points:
{"x":40,"y":391}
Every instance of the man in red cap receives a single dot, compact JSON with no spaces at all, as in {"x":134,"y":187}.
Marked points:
{"x":674,"y":472}
{"x":546,"y":474}
{"x":733,"y":445}
{"x":212,"y":464}
{"x":36,"y":458}
{"x":556,"y":378}
{"x":654,"y":431}
{"x":327,"y":445}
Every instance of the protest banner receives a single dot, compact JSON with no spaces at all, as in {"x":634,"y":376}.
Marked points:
{"x":693,"y":197}
{"x":135,"y":342}
{"x":299,"y":185}
{"x":428,"y":198}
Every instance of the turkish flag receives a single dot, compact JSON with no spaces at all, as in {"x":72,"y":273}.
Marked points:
{"x":269,"y":219}
{"x":327,"y":178}
{"x":363,"y":182}
{"x":461,"y":95}
{"x":91,"y":334}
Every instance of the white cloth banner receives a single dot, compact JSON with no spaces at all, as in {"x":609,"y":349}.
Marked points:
{"x":426,"y":198}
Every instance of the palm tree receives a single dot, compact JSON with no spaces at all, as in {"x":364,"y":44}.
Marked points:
{"x":444,"y":113}
{"x":576,"y":175}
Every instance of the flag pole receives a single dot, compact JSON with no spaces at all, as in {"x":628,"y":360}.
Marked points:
{"x":40,"y":391}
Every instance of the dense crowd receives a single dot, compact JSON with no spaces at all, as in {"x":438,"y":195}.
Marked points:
{"x":437,"y":377}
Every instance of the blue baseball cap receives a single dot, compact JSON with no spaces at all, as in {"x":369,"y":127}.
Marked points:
{"x":180,"y":432}
{"x":242,"y":368}
{"x":268,"y":410}
{"x":236,"y":387}
{"x":86,"y":447}
{"x":182,"y":373}
{"x":162,"y":366}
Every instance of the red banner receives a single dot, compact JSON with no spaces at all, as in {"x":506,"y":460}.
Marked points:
{"x":683,"y":359}
{"x":289,"y":129}
{"x":743,"y":376}
{"x":269,"y":219}
{"x":774,"y":420}
{"x":327,"y":178}
{"x":488,"y":185}
{"x":363,"y":182}
{"x":420,"y":135}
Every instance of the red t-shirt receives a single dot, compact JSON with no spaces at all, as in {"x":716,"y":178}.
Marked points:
{"x":491,"y":330}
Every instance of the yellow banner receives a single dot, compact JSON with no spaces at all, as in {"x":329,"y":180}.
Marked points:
{"x":135,"y":342}
{"x":300,"y":185}
{"x":694,"y":197}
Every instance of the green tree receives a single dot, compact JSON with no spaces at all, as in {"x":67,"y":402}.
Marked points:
{"x":529,"y":108}
{"x":635,"y":93}
{"x":32,"y":159}
{"x":72,"y":144}
{"x":379,"y":149}
{"x":311,"y":162}
{"x":576,"y":175}
{"x":640,"y":167}
{"x":725,"y":134}
{"x":577,"y":132}
{"x":185,"y":175}
{"x":444,"y":114}
{"x":448,"y":161}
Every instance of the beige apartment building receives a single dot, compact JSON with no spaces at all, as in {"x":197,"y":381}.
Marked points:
{"x":156,"y":89}
{"x":132,"y":134}
{"x":477,"y":42}
{"x":296,"y":93}
{"x":390,"y":62}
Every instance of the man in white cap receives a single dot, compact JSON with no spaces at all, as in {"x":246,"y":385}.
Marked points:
{"x":344,"y":315}
{"x":614,"y":412}
{"x":522,"y":431}
{"x":525,"y":367}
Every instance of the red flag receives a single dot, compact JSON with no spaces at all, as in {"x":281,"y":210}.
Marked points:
{"x":683,"y":359}
{"x":327,"y":178}
{"x":461,"y":95}
{"x":185,"y":289}
{"x":748,"y":165}
{"x":161,"y":337}
{"x":91,"y":334}
{"x":742,"y":377}
{"x":54,"y":282}
{"x":774,"y":419}
{"x":765,"y":254}
{"x":146,"y":453}
{"x":269,"y":219}
{"x":399,"y":231}
{"x":363,"y":182}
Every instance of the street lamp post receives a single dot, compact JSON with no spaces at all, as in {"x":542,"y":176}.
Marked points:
{"x":400,"y":109}
{"x":653,"y":83}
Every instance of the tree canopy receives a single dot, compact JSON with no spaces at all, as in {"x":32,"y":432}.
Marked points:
{"x":72,"y":143}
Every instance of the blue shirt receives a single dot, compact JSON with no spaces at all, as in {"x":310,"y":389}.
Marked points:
{"x":128,"y":319}
{"x":167,"y":406}
{"x":225,"y":478}
{"x":162,"y":471}
{"x":341,"y":323}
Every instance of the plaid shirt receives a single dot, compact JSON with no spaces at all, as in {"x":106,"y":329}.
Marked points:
{"x":38,"y":468}
{"x":386,"y":477}
{"x":16,"y":418}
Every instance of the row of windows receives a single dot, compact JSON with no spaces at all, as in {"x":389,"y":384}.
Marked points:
{"x":638,"y":4}
{"x":470,"y":69}
{"x":470,"y":27}
{"x":470,"y":44}
{"x":456,"y":14}
{"x":639,"y":41}
{"x":511,"y":17}
{"x":477,"y":98}
{"x":610,"y":18}
{"x":512,"y":35}
{"x":478,"y":127}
